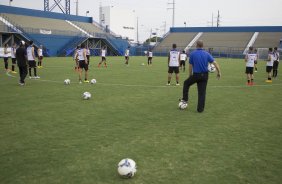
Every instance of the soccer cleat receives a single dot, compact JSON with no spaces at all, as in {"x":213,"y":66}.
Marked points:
{"x":86,"y":81}
{"x":13,"y":72}
{"x":177,"y":84}
{"x":37,"y":77}
{"x":268,"y":81}
{"x":80,"y":82}
{"x":30,"y":77}
{"x":168,"y":84}
{"x":21,"y":84}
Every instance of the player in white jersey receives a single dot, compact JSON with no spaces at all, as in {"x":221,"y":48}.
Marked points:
{"x":126,"y":55}
{"x":6,"y":56}
{"x":31,"y":60}
{"x":150,"y":57}
{"x":269,"y":65}
{"x":276,"y":62}
{"x":83,"y":63}
{"x":75,"y":58}
{"x":40,"y":56}
{"x":256,"y":61}
{"x":250,"y":59}
{"x":183,"y":59}
{"x":103,"y":57}
{"x":173,"y":64}
{"x":88,"y":55}
{"x":13,"y":56}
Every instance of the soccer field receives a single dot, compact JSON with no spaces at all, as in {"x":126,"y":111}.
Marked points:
{"x":48,"y":134}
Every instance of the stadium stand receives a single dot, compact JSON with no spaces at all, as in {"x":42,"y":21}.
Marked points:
{"x":268,"y":39}
{"x":222,"y":41}
{"x":181,"y":39}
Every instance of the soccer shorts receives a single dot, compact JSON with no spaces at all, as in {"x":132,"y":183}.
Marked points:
{"x":31,"y":64}
{"x":249,"y":70}
{"x":14,"y":61}
{"x":103,"y":58}
{"x":182,"y":63}
{"x":275,"y":65}
{"x":173,"y":69}
{"x":268,"y":69}
{"x":83,"y":65}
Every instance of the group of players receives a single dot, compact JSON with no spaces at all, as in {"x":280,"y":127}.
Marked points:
{"x":272,"y":63}
{"x":24,"y":56}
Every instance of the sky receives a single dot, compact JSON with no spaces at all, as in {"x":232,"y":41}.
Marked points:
{"x":157,"y":14}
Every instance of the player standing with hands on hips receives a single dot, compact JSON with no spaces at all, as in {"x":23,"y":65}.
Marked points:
{"x":198,"y":73}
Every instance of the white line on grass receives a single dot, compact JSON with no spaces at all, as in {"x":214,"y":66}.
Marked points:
{"x":150,"y":86}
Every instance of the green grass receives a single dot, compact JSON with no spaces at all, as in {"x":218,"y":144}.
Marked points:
{"x":48,"y":134}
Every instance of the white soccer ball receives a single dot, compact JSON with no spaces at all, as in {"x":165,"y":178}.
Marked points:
{"x":86,"y":95}
{"x":127,"y":168}
{"x":182,"y":105}
{"x":93,"y":81}
{"x":211,"y":68}
{"x":67,"y":82}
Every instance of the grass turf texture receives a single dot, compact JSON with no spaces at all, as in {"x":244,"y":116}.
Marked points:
{"x":48,"y":134}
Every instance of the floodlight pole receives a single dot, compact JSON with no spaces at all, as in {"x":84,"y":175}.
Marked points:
{"x":137,"y":30}
{"x":173,"y":12}
{"x":76,"y":7}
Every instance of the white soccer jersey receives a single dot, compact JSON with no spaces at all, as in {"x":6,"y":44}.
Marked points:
{"x":174,"y":57}
{"x":270,"y":63}
{"x":81,"y":55}
{"x":183,"y":57}
{"x":150,"y":54}
{"x":29,"y":54}
{"x":13,"y":52}
{"x":40,"y":53}
{"x":88,"y":52}
{"x":103,"y":53}
{"x":276,"y":56}
{"x":6,"y":54}
{"x":251,"y":58}
{"x":126,"y":52}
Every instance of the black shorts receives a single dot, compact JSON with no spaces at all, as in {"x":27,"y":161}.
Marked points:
{"x":249,"y":70}
{"x":256,"y":62}
{"x":268,"y":69}
{"x":126,"y":57}
{"x":32,"y":64}
{"x":14,"y":61}
{"x":6,"y":59}
{"x":40,"y":57}
{"x":275,"y":65}
{"x":103,"y":58}
{"x":83,"y":65}
{"x":174,"y":69}
{"x":182,"y":63}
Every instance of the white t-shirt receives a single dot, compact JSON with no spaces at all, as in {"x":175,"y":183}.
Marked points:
{"x":251,"y":58}
{"x":271,"y":56}
{"x":13,"y":52}
{"x":126,"y":52}
{"x":150,"y":54}
{"x":40,"y":52}
{"x":103,"y":53}
{"x":29,"y":54}
{"x":174,"y":58}
{"x":88,"y":52}
{"x":183,"y":57}
{"x":80,"y":53}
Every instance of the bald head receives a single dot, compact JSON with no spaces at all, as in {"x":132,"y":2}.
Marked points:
{"x":200,"y":44}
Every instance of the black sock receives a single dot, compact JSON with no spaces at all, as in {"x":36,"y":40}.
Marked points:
{"x":168,"y":82}
{"x":13,"y":68}
{"x":248,"y":81}
{"x":269,"y":78}
{"x":34,"y":70}
{"x":29,"y":71}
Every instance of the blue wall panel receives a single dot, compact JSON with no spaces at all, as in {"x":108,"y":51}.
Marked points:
{"x":43,"y":14}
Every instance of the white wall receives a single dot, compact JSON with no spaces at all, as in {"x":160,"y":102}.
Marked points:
{"x":120,"y":21}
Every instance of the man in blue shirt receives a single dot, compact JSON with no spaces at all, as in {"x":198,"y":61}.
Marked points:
{"x":198,"y":73}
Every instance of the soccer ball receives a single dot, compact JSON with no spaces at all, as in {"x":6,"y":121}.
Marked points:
{"x":93,"y":81}
{"x":86,"y":95}
{"x":67,"y":82}
{"x":182,"y":105}
{"x":127,"y":168}
{"x":211,"y":68}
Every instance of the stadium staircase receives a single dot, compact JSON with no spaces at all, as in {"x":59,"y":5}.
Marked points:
{"x":69,"y":48}
{"x":193,"y":41}
{"x":251,"y":42}
{"x":18,"y":29}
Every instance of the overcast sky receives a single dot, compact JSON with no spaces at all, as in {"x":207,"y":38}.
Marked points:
{"x":154,"y":13}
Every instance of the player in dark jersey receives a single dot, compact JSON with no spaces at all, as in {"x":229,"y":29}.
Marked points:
{"x":21,"y":56}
